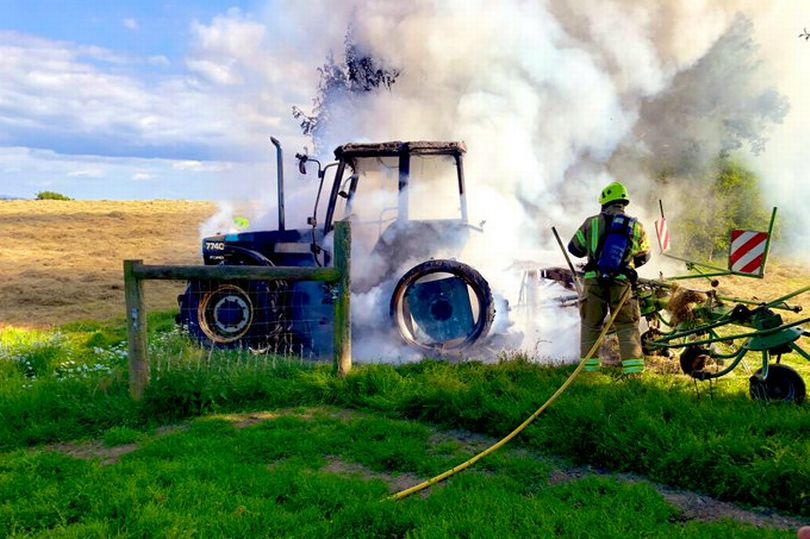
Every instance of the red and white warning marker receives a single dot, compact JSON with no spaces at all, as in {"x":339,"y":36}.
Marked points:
{"x":748,"y":250}
{"x":661,"y":231}
{"x":747,"y":254}
{"x":663,"y":235}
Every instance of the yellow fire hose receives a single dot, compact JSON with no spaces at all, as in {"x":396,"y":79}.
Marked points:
{"x":494,"y":447}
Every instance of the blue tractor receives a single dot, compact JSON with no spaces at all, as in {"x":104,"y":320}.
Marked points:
{"x":407,"y":206}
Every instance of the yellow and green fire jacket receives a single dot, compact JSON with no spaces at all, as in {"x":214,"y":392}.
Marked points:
{"x":586,"y":241}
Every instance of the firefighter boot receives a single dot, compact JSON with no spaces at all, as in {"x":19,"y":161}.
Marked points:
{"x":591,"y":365}
{"x":632,"y":366}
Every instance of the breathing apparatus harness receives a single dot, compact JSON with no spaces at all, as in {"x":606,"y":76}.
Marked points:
{"x":611,"y":259}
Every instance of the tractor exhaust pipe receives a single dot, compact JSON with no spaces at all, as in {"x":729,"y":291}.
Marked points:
{"x":280,"y":167}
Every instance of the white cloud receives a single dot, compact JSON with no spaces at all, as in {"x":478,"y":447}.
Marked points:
{"x":52,"y":94}
{"x":101,"y":54}
{"x":232,"y":35}
{"x":199,"y":166}
{"x":228,"y":50}
{"x":86,"y":173}
{"x":158,"y":60}
{"x":217,"y":73}
{"x":130,"y":23}
{"x":220,"y":103}
{"x":24,"y":171}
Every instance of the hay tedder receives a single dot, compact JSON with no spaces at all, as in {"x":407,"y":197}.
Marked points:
{"x":714,"y":333}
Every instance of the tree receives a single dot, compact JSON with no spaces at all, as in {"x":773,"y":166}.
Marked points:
{"x":50,"y":195}
{"x":341,"y":83}
{"x":732,"y":200}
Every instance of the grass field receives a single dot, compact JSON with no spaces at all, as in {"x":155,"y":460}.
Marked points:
{"x":781,"y":278}
{"x":324,"y":472}
{"x":61,"y":261}
{"x":237,"y":445}
{"x":80,"y":459}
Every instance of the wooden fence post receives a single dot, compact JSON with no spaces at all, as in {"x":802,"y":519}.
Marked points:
{"x":342,"y":342}
{"x":136,"y":329}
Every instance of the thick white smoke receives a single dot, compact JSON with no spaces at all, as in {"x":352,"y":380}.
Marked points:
{"x":553,"y":100}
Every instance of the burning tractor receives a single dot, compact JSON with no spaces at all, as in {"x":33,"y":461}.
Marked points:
{"x":397,"y":196}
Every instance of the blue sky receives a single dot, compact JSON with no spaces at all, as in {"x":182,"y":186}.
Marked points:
{"x":177,"y":99}
{"x":142,"y":99}
{"x":145,"y":27}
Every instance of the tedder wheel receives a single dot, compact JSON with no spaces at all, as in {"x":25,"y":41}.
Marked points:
{"x":647,"y":340}
{"x":782,"y":384}
{"x":693,"y":359}
{"x":442,"y":306}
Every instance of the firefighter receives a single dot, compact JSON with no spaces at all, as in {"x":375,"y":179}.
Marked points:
{"x":602,"y":291}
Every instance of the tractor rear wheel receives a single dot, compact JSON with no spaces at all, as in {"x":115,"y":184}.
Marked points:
{"x":782,"y":384}
{"x":442,"y":307}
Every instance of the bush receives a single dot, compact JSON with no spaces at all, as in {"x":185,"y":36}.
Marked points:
{"x":50,"y":195}
{"x":730,"y":199}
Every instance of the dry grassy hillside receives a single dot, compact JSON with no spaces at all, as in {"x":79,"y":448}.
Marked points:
{"x":61,"y":261}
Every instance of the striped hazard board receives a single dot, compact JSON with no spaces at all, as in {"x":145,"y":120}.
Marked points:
{"x":663,"y":235}
{"x":747,"y":254}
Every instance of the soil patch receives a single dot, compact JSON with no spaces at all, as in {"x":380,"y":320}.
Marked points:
{"x":692,"y":505}
{"x":395,"y":483}
{"x":94,"y":451}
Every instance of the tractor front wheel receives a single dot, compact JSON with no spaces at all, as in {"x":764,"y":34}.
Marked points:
{"x":225,"y":313}
{"x":782,"y":384}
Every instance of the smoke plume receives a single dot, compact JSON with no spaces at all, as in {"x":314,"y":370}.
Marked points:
{"x":554,"y":100}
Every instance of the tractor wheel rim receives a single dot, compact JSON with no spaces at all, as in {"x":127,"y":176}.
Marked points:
{"x":222,"y":312}
{"x":216,"y":314}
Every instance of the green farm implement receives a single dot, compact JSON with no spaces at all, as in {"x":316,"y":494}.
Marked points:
{"x":712,"y":334}
{"x":715,"y":330}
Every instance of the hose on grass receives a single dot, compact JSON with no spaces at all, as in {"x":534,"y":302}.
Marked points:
{"x":505,"y":440}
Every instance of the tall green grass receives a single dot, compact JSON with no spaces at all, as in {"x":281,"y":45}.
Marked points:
{"x":718,"y":442}
{"x":323,"y":474}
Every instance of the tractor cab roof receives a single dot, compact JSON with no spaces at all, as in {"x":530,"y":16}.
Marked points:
{"x":383,"y":149}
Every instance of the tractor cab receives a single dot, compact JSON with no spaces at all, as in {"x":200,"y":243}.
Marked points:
{"x":405,"y":200}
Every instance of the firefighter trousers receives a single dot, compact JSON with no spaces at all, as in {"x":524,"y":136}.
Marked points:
{"x":598,"y":300}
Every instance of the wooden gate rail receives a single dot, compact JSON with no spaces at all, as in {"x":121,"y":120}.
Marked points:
{"x":135,"y":272}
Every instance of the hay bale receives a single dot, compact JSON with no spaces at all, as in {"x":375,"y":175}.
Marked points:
{"x":682,"y":303}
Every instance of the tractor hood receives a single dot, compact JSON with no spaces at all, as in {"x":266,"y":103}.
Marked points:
{"x":277,"y":247}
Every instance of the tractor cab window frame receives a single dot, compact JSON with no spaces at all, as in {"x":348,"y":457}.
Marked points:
{"x":407,"y":186}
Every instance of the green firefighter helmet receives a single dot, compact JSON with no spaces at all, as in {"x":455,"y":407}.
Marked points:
{"x":615,"y":192}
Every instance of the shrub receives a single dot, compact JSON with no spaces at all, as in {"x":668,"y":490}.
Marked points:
{"x":730,"y":199}
{"x":50,"y":195}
